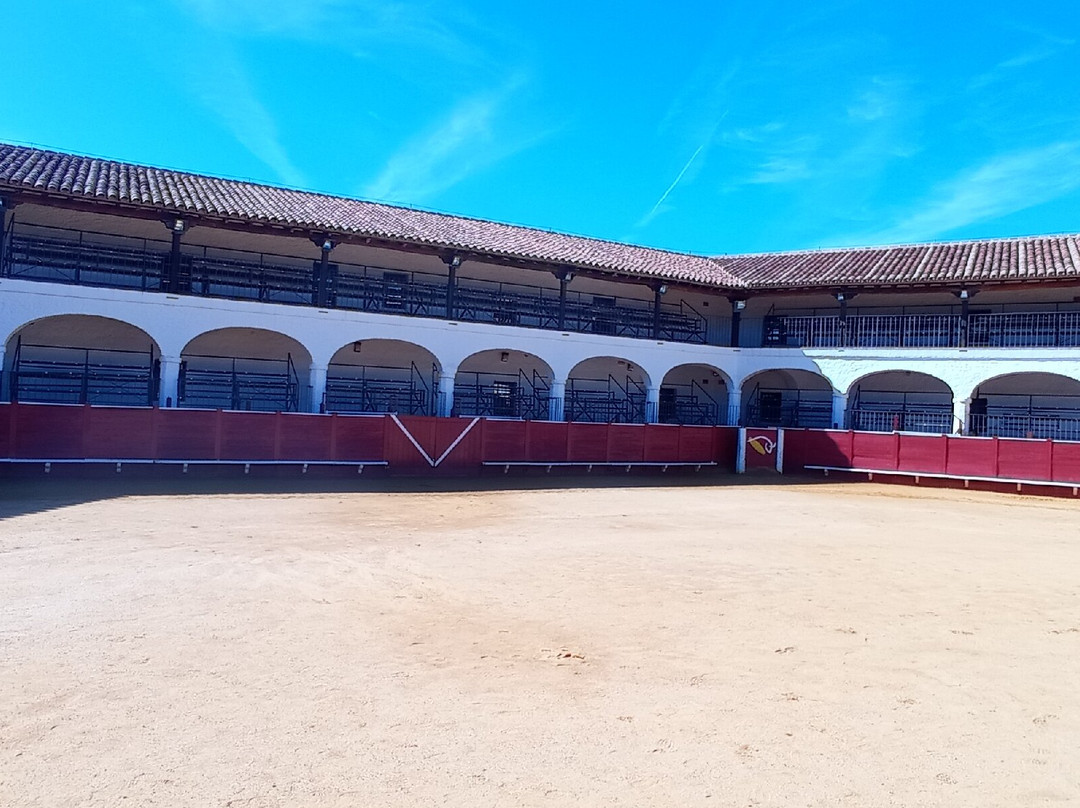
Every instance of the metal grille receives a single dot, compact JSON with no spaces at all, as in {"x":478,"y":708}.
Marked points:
{"x":264,"y":385}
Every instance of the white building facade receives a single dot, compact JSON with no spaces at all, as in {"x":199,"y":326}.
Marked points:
{"x":131,"y":286}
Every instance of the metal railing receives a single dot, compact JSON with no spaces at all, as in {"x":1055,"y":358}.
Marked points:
{"x":373,"y":388}
{"x":1046,"y":425}
{"x":502,"y":395}
{"x":788,"y":408}
{"x":96,"y":259}
{"x":47,"y":374}
{"x":604,"y":401}
{"x":688,"y":404}
{"x":984,"y":330}
{"x":933,"y":421}
{"x":264,"y":385}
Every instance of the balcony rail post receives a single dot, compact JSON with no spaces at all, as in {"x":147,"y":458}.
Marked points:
{"x":177,"y":227}
{"x":321,"y":297}
{"x":842,"y":298}
{"x":452,"y":261}
{"x":5,"y":206}
{"x":659,"y":290}
{"x":965,"y":317}
{"x":564,"y":276}
{"x":737,"y":307}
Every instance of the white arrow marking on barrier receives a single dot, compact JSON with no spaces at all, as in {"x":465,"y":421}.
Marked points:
{"x":457,"y":440}
{"x":413,"y":440}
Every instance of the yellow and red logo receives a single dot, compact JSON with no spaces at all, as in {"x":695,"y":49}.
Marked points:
{"x":762,"y":444}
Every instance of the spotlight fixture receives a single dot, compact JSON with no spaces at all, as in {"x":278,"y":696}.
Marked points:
{"x":504,"y":356}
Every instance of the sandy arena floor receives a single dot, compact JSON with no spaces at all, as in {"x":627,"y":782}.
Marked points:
{"x":742,"y":645}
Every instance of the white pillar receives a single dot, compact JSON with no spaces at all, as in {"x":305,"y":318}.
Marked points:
{"x":446,"y":395}
{"x":839,"y":410}
{"x":734,"y":406}
{"x":317,"y":386}
{"x":652,"y":404}
{"x":557,"y":400}
{"x":960,"y":410}
{"x":169,"y":388}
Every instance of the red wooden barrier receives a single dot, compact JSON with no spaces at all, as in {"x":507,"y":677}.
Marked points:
{"x":661,"y":443}
{"x":874,"y":450}
{"x":1024,"y":459}
{"x":923,"y":453}
{"x":505,"y":440}
{"x":361,"y":437}
{"x":587,"y":442}
{"x":973,"y":457}
{"x":546,"y":441}
{"x":1065,"y":462}
{"x":626,"y":443}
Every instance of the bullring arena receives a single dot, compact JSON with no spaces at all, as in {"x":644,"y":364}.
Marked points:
{"x":308,"y":500}
{"x":630,"y":642}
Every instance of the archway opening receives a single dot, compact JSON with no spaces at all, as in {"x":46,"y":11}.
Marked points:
{"x":694,"y":394}
{"x":244,"y":369}
{"x":900,"y":401}
{"x":382,"y":375}
{"x":787,"y":398}
{"x":1026,"y":405}
{"x":503,"y":384}
{"x":606,"y":389}
{"x":82,"y":359}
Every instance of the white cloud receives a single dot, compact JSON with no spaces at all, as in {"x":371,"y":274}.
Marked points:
{"x":227,"y":92}
{"x":471,"y":138}
{"x":1003,"y":185}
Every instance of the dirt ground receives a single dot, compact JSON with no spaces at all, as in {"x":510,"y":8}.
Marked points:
{"x":727,"y":645}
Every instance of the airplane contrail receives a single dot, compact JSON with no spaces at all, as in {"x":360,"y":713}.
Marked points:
{"x":671,"y":187}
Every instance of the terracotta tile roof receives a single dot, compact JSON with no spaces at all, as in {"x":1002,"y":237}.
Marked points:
{"x":92,"y":179}
{"x":174,"y":191}
{"x":1038,"y":258}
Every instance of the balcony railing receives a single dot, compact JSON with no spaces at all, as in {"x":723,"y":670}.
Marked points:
{"x":983,"y":330}
{"x":95,"y":259}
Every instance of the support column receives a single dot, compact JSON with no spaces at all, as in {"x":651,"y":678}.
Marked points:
{"x":961,"y":409}
{"x":557,"y":400}
{"x":169,"y":388}
{"x":321,"y":295}
{"x":737,"y":307}
{"x":842,"y":299}
{"x":839,"y":410}
{"x":5,"y":206}
{"x":658,"y":293}
{"x":177,"y":227}
{"x":452,"y":261}
{"x":564,"y":276}
{"x":445,"y":405}
{"x":317,"y":386}
{"x":965,"y":316}
{"x":652,"y":404}
{"x":734,"y":407}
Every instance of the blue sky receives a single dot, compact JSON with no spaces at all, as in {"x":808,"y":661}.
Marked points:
{"x":713,"y":127}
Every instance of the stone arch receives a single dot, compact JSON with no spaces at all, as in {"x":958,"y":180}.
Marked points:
{"x":505,"y":383}
{"x":900,"y":400}
{"x":606,"y":389}
{"x":1026,"y":404}
{"x":694,"y":393}
{"x":382,"y":375}
{"x":787,"y":397}
{"x":244,"y":369}
{"x":81,"y":359}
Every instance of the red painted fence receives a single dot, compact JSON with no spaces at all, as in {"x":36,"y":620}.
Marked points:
{"x":405,"y":443}
{"x":1004,"y":458}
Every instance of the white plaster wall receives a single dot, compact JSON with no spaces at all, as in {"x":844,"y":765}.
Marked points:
{"x":174,"y":321}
